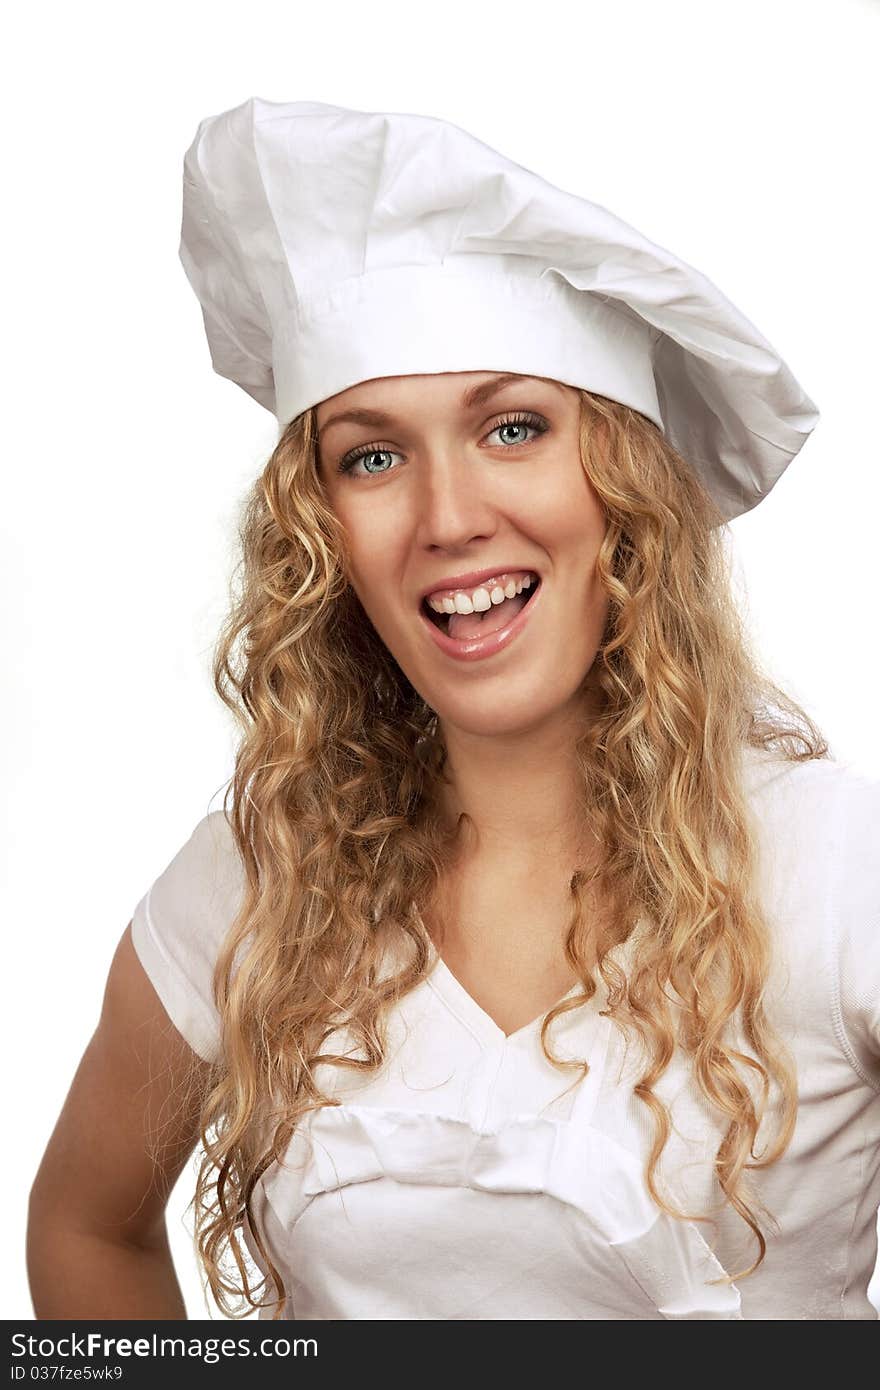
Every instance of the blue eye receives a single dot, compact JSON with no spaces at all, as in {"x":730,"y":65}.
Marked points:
{"x":365,"y":451}
{"x":532,"y":422}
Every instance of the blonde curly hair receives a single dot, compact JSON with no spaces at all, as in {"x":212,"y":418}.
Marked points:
{"x":335,"y":812}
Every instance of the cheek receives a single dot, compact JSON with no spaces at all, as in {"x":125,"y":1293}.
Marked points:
{"x":372,"y":557}
{"x":366,"y":533}
{"x":565,"y":518}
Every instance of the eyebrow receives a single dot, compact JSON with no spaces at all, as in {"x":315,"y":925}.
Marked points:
{"x":476,"y":396}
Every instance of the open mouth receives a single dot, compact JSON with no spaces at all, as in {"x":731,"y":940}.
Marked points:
{"x":501,"y":613}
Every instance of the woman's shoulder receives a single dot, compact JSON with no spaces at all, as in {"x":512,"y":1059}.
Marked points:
{"x":818,"y":825}
{"x":179,"y":924}
{"x":206,"y":869}
{"x":808,"y":787}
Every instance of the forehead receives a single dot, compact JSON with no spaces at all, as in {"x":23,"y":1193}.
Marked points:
{"x":382,"y":399}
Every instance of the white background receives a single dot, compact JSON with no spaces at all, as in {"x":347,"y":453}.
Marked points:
{"x":743,"y":136}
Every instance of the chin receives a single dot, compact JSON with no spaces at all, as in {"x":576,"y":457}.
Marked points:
{"x":489,"y":717}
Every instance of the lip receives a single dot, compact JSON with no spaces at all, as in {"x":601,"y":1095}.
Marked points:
{"x":477,"y":648}
{"x":473,"y":578}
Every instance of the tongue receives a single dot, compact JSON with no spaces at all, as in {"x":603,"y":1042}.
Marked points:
{"x":464,"y":625}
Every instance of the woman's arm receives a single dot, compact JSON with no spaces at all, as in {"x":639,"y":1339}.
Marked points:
{"x":97,"y":1245}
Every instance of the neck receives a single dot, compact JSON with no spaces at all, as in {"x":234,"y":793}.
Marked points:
{"x":522,"y":794}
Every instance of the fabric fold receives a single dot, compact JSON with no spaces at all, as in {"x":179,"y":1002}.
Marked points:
{"x":601,"y":1182}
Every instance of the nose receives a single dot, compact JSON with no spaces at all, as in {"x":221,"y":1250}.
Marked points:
{"x":454,"y":503}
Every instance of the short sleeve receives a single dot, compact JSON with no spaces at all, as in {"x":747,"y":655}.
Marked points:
{"x":856,"y":918}
{"x":179,"y":925}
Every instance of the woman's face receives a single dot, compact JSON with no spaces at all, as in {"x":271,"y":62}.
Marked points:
{"x":443,"y":488}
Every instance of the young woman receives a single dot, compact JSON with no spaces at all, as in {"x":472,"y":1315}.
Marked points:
{"x":531,"y":967}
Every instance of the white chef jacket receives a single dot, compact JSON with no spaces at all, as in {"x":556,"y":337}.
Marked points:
{"x":470,"y":1179}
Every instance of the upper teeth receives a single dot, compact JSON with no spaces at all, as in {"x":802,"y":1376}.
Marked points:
{"x":479,"y":599}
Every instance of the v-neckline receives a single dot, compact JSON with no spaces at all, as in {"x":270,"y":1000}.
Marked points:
{"x":463,"y":1004}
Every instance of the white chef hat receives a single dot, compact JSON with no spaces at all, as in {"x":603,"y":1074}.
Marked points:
{"x":328,"y":247}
